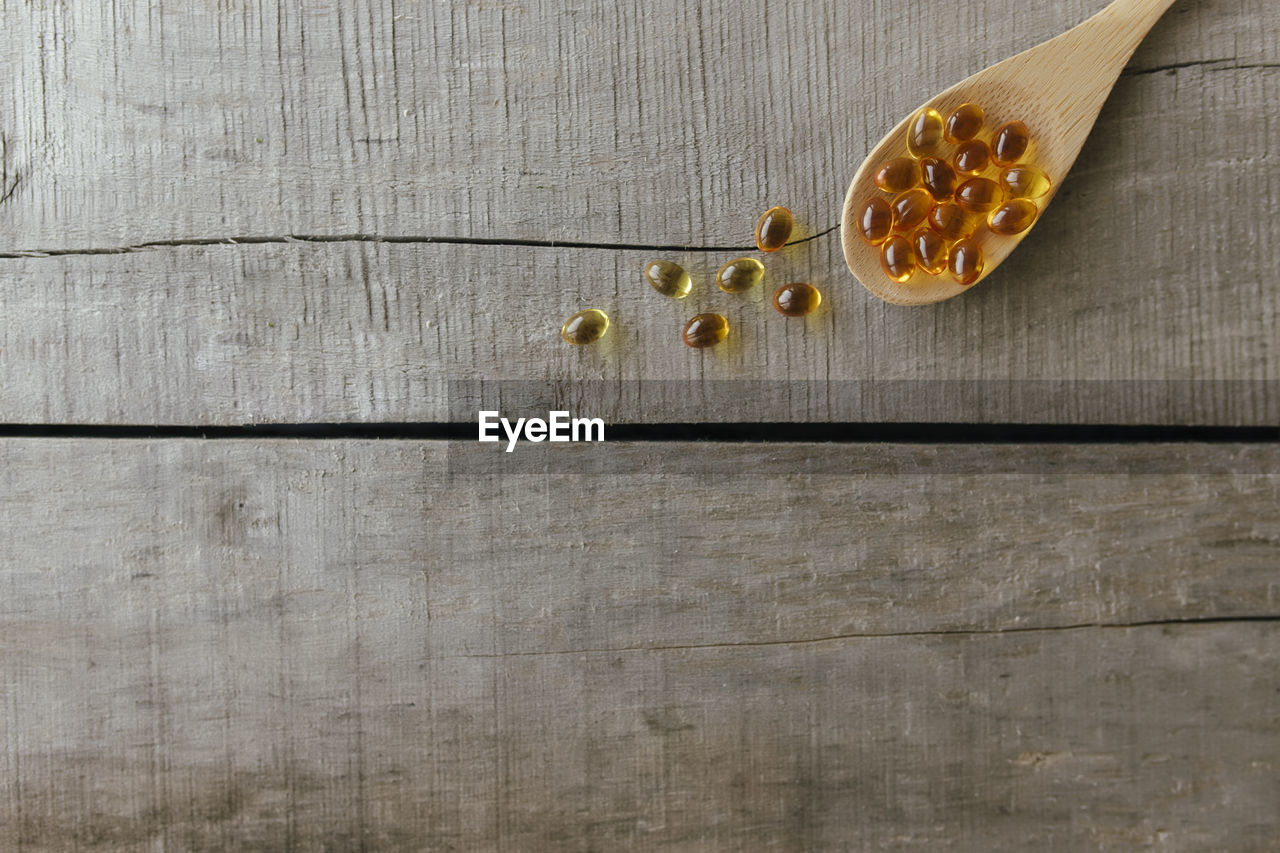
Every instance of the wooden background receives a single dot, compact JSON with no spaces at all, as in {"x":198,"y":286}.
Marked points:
{"x":246,"y":211}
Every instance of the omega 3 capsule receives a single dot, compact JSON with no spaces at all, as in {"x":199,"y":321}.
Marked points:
{"x":1013,"y":217}
{"x":897,"y":258}
{"x":705,"y":330}
{"x":1011,"y":143}
{"x":931,"y":250}
{"x":964,"y":123}
{"x":797,"y":300}
{"x":939,"y":178}
{"x":740,"y":276}
{"x":979,"y":195}
{"x":774,"y":229}
{"x":952,"y":222}
{"x":972,"y":157}
{"x":668,"y":278}
{"x":875,"y":221}
{"x":965,"y":261}
{"x":1025,"y":182}
{"x":898,"y":175}
{"x":585,"y":327}
{"x":910,"y":208}
{"x":924,"y":133}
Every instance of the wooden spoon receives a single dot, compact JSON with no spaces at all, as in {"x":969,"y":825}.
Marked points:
{"x":1056,"y":88}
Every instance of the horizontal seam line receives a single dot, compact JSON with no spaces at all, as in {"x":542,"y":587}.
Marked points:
{"x":252,"y":240}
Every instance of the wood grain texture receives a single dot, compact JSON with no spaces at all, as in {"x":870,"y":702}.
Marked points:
{"x":346,"y":645}
{"x":1146,"y":269}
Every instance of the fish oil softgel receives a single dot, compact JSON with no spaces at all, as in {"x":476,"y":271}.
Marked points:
{"x":585,"y":327}
{"x":774,"y":229}
{"x":740,"y":276}
{"x":797,"y":300}
{"x":669,"y":279}
{"x":966,"y":182}
{"x":705,"y":330}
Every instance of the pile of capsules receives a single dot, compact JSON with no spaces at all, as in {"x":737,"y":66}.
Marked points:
{"x":935,"y":204}
{"x":738,"y":276}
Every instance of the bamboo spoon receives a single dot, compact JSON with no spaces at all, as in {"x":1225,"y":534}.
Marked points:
{"x":1057,"y":88}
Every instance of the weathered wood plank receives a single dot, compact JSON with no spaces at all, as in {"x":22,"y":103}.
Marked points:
{"x":375,"y":332}
{"x":670,"y":122}
{"x":280,"y":645}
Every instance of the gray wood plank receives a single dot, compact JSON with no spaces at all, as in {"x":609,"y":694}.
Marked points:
{"x":668,"y":122}
{"x":377,"y":332}
{"x":345,"y":645}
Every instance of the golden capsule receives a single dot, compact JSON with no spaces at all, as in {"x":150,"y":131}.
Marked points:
{"x":939,"y":178}
{"x":979,"y":195}
{"x":931,"y":250}
{"x":705,"y":330}
{"x":1025,"y":182}
{"x":774,"y":229}
{"x":910,"y":208}
{"x":796,"y":300}
{"x":924,"y":133}
{"x":972,"y":157}
{"x":898,"y":175}
{"x":668,"y":279}
{"x":965,"y":261}
{"x":1013,"y":217}
{"x":1011,"y":142}
{"x":964,"y":123}
{"x":897,"y":258}
{"x":740,"y":276}
{"x":875,"y":221}
{"x":952,"y":222}
{"x":585,"y":327}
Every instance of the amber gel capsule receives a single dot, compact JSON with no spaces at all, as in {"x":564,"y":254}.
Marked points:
{"x":705,"y":330}
{"x":979,"y":195}
{"x":1013,"y":217}
{"x":740,"y":276}
{"x":897,"y":258}
{"x":1025,"y":182}
{"x":1011,"y":143}
{"x":931,"y":250}
{"x":966,"y":261}
{"x":585,"y":327}
{"x":972,"y":157}
{"x":668,"y":279}
{"x":875,"y":221}
{"x":952,"y":222}
{"x":964,"y":123}
{"x":939,"y":178}
{"x":924,"y":133}
{"x":797,"y":300}
{"x":774,"y":229}
{"x":898,"y":175}
{"x":910,"y":208}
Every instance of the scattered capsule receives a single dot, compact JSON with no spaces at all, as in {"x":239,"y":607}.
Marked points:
{"x":965,"y":261}
{"x":740,"y":276}
{"x":705,"y":330}
{"x":952,"y":222}
{"x":898,"y":175}
{"x":964,"y":123}
{"x":939,"y":178}
{"x":585,"y":327}
{"x":1010,"y":143}
{"x":797,"y":300}
{"x":1013,"y":217}
{"x":1025,"y":182}
{"x":924,"y":133}
{"x":875,"y":221}
{"x":774,"y":229}
{"x":910,"y":208}
{"x":897,"y":258}
{"x":972,"y":157}
{"x":931,"y":250}
{"x":668,"y":279}
{"x":979,"y":195}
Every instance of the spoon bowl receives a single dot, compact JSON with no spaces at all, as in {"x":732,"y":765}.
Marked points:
{"x":1056,"y":88}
